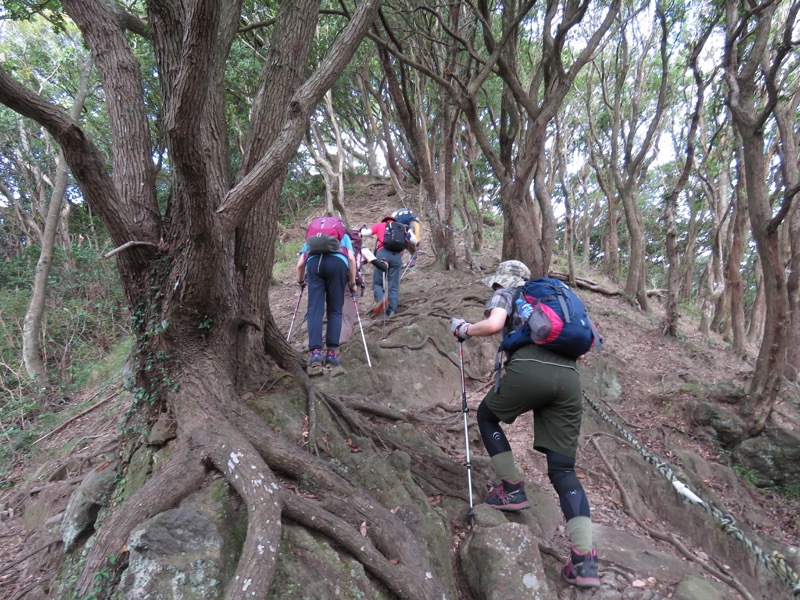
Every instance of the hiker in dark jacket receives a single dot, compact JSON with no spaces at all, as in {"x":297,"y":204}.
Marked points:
{"x":328,"y":277}
{"x":548,"y":384}
{"x":410,"y":220}
{"x":392,"y":258}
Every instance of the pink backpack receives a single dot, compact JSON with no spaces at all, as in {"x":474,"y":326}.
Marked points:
{"x":324,"y":236}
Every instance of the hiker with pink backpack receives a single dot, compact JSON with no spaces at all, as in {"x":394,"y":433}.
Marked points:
{"x":328,"y":264}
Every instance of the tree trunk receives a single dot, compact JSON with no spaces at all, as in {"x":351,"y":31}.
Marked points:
{"x":472,"y":155}
{"x":785,"y":115}
{"x":755,"y":324}
{"x":750,"y":72}
{"x":734,"y":276}
{"x":32,"y":324}
{"x":671,"y":314}
{"x":635,"y":285}
{"x":611,"y":240}
{"x":543,"y":183}
{"x":566,"y":190}
{"x":770,"y":365}
{"x":518,"y":225}
{"x":688,"y":266}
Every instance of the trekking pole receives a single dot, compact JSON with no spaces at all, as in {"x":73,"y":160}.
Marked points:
{"x":408,"y":265}
{"x":361,"y":327}
{"x":465,"y":410}
{"x":294,"y":316}
{"x":385,"y":300}
{"x":300,"y":327}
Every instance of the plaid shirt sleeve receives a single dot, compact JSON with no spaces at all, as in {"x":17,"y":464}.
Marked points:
{"x":504,"y":299}
{"x":501,"y":299}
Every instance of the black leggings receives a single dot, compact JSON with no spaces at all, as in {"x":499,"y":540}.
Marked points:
{"x":560,"y":468}
{"x":493,"y":437}
{"x":561,"y":471}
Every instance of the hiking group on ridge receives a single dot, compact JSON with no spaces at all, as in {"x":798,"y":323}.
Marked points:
{"x":331,"y":261}
{"x":545,"y":330}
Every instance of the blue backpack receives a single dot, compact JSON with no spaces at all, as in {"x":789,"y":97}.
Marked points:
{"x":405,"y":216}
{"x":558,"y":322}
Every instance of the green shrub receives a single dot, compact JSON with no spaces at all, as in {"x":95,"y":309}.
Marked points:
{"x":86,"y":339}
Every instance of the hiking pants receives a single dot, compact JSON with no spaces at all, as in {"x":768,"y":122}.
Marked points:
{"x":543,"y":382}
{"x":395,"y":261}
{"x":327,"y":280}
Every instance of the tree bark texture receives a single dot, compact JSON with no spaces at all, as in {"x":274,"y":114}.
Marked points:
{"x":735,"y":255}
{"x":786,"y":115}
{"x":196,"y":277}
{"x":747,"y":77}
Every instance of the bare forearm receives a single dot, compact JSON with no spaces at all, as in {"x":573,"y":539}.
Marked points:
{"x":489,"y":326}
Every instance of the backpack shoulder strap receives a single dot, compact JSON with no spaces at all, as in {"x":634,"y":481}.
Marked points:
{"x":509,"y":324}
{"x":561,"y":296}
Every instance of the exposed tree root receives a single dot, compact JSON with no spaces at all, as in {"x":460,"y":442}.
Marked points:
{"x":435,"y":344}
{"x":181,"y":474}
{"x":27,"y":555}
{"x":344,"y":500}
{"x":397,"y":577}
{"x":438,"y":472}
{"x":34,"y":584}
{"x":362,"y":404}
{"x":76,"y":417}
{"x":205,"y":423}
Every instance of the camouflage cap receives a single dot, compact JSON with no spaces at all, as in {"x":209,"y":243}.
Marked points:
{"x":510,"y":273}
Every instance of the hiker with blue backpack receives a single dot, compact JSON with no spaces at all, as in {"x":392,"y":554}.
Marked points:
{"x":328,"y":262}
{"x":392,"y":238}
{"x":407,"y":217}
{"x":545,"y":330}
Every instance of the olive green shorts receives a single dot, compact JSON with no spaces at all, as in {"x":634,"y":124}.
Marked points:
{"x":548,"y":384}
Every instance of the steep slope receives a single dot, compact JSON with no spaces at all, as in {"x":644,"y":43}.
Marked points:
{"x":649,"y":385}
{"x":652,"y":542}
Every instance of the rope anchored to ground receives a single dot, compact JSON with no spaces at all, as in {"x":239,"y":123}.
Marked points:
{"x":774,"y":562}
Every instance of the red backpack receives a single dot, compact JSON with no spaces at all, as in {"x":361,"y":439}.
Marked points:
{"x":324,"y":236}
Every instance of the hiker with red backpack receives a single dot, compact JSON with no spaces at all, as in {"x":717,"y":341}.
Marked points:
{"x":328,"y":262}
{"x":546,"y":329}
{"x":392,"y":238}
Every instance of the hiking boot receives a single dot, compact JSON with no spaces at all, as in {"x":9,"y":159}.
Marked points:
{"x":380,"y":307}
{"x":508,"y":495}
{"x":581,"y":570}
{"x":331,"y":360}
{"x":315,"y":358}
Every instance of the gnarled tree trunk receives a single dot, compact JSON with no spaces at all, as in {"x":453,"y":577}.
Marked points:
{"x":196,"y":277}
{"x":750,"y":70}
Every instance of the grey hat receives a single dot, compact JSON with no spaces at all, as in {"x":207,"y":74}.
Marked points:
{"x":510,"y":273}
